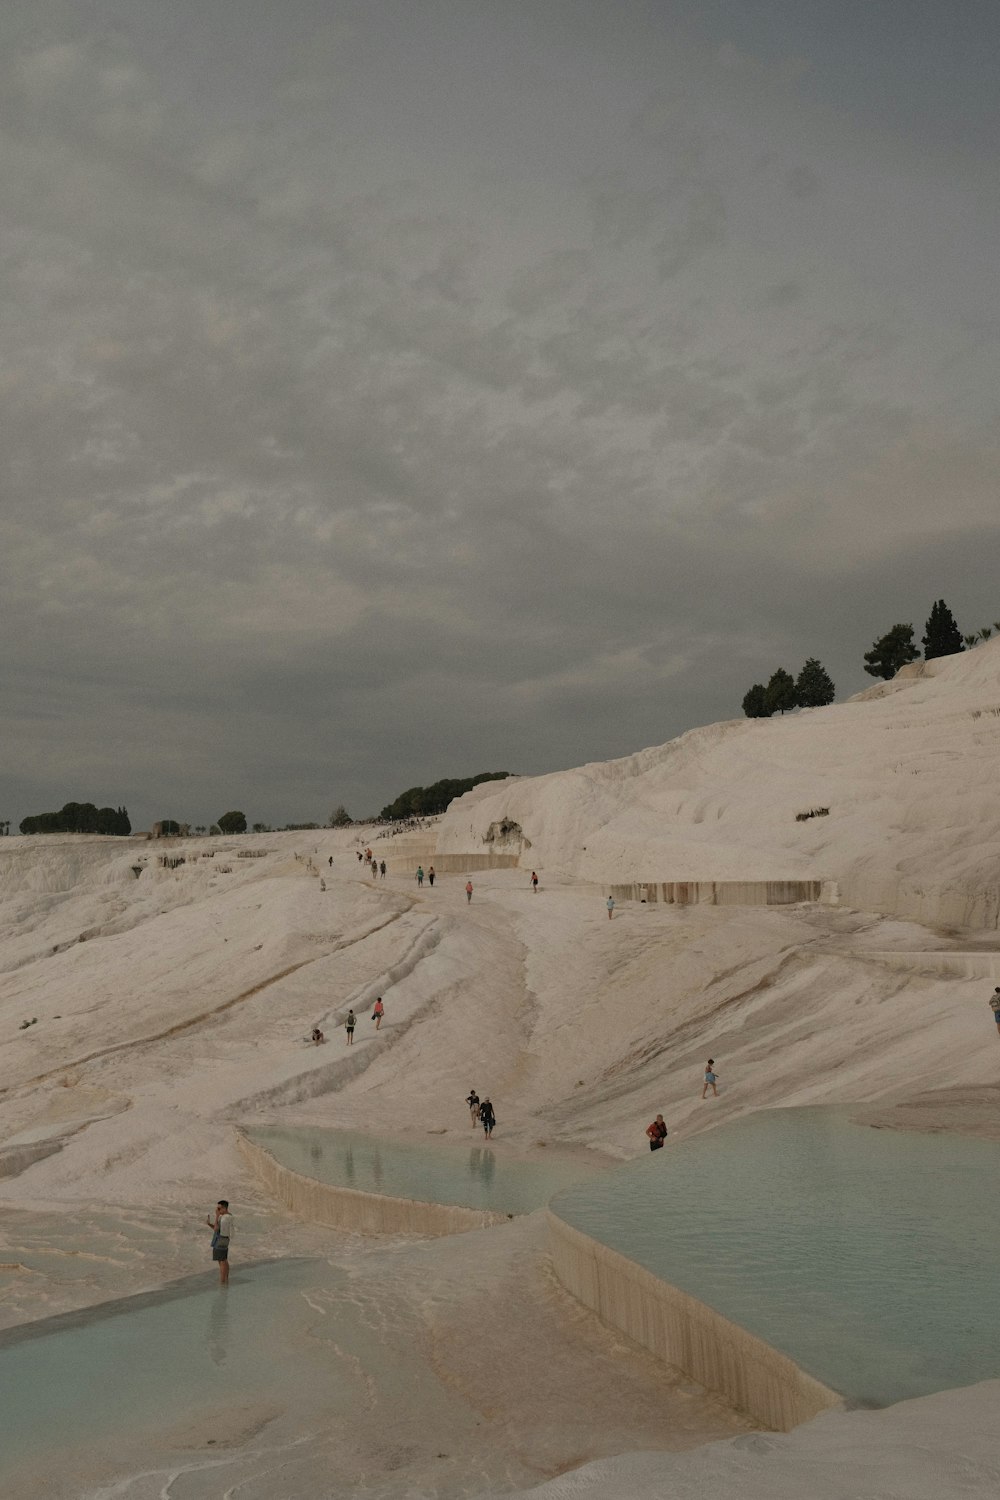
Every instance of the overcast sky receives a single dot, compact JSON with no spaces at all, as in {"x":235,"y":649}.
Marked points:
{"x":408,"y":388}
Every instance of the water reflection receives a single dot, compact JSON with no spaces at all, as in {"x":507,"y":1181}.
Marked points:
{"x":218,"y":1329}
{"x":377,"y":1167}
{"x":482,"y":1164}
{"x":349,"y":1165}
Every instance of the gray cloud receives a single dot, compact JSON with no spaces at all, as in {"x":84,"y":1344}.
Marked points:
{"x":434,"y":391}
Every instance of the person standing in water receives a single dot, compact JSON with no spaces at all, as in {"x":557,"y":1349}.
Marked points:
{"x":610,"y":904}
{"x":468,"y":890}
{"x":349,"y":1026}
{"x":473,"y":1102}
{"x":710,"y":1077}
{"x":657,"y":1133}
{"x":222,"y":1232}
{"x":487,"y":1118}
{"x":378,"y":1012}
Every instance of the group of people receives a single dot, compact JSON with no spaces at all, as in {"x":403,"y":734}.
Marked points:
{"x":375,"y":866}
{"x":430,"y":880}
{"x":657,"y":1131}
{"x":482,"y":1113}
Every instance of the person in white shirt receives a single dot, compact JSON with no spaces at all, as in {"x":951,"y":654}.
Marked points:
{"x":222,"y":1233}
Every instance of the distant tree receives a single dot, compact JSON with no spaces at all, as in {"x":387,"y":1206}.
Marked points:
{"x":214,"y":831}
{"x":427,"y":801}
{"x":168,"y":827}
{"x":893,"y":651}
{"x":755,"y":702}
{"x":971,"y":640}
{"x":942,"y":636}
{"x":984,"y":633}
{"x":340,"y":817}
{"x":780,"y":692}
{"x":233,"y":822}
{"x":262,"y":828}
{"x":79,"y":817}
{"x":201,"y":828}
{"x":813,"y":686}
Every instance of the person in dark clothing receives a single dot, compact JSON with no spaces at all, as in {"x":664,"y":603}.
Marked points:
{"x":487,"y":1117}
{"x":657,"y":1133}
{"x":473,"y":1102}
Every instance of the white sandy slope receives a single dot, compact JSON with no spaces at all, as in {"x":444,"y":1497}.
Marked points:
{"x":907,"y":770}
{"x":173,"y":1005}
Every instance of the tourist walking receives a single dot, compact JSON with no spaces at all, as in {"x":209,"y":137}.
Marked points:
{"x":378,"y":1013}
{"x":430,"y":875}
{"x":487,"y":1118}
{"x":420,"y":874}
{"x":381,"y":870}
{"x":222,"y":1232}
{"x":473,"y":1102}
{"x":610,"y":904}
{"x":710,"y":1077}
{"x":468,"y":890}
{"x":349,"y":1026}
{"x":995,"y":1006}
{"x":534,"y":883}
{"x":657,"y":1133}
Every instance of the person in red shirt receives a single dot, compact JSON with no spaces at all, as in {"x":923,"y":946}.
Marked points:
{"x":657,"y":1133}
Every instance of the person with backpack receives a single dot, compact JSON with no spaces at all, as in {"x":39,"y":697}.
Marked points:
{"x":420,"y":875}
{"x":487,"y":1117}
{"x":349,"y":1026}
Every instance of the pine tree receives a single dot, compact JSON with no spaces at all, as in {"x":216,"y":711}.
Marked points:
{"x":893,"y":651}
{"x":755,"y":702}
{"x":814,"y":687}
{"x":943,"y":637}
{"x":780,"y":692}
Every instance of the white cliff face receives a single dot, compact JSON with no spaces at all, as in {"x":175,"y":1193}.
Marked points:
{"x":907,"y":772}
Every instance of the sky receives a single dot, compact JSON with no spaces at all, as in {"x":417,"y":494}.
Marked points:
{"x":398,"y":389}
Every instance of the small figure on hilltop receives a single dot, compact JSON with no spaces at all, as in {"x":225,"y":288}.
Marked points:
{"x":995,"y":1006}
{"x":420,"y":874}
{"x":222,"y":1232}
{"x":610,"y":904}
{"x":710,"y":1077}
{"x":534,"y":883}
{"x":330,"y":861}
{"x":377,"y":1013}
{"x":473,"y":1102}
{"x":657,"y":1133}
{"x":349,"y":1026}
{"x":487,"y":1118}
{"x":468,"y":890}
{"x":430,"y":875}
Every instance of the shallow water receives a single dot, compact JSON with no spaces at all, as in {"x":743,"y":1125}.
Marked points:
{"x":474,"y":1176}
{"x":868,"y":1256}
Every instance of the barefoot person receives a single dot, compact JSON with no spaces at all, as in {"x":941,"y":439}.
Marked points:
{"x":222,"y":1232}
{"x":534,"y":883}
{"x":473,"y":1102}
{"x":710,"y":1077}
{"x":378,"y":1012}
{"x":657,"y":1133}
{"x":349,"y":1026}
{"x":995,"y":1006}
{"x":610,"y":904}
{"x":468,"y":890}
{"x":487,"y":1118}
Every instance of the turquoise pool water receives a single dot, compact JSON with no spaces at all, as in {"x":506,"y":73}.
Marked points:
{"x":868,"y":1256}
{"x":474,"y":1176}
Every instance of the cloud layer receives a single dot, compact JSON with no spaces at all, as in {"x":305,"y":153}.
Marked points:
{"x":426,"y":389}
